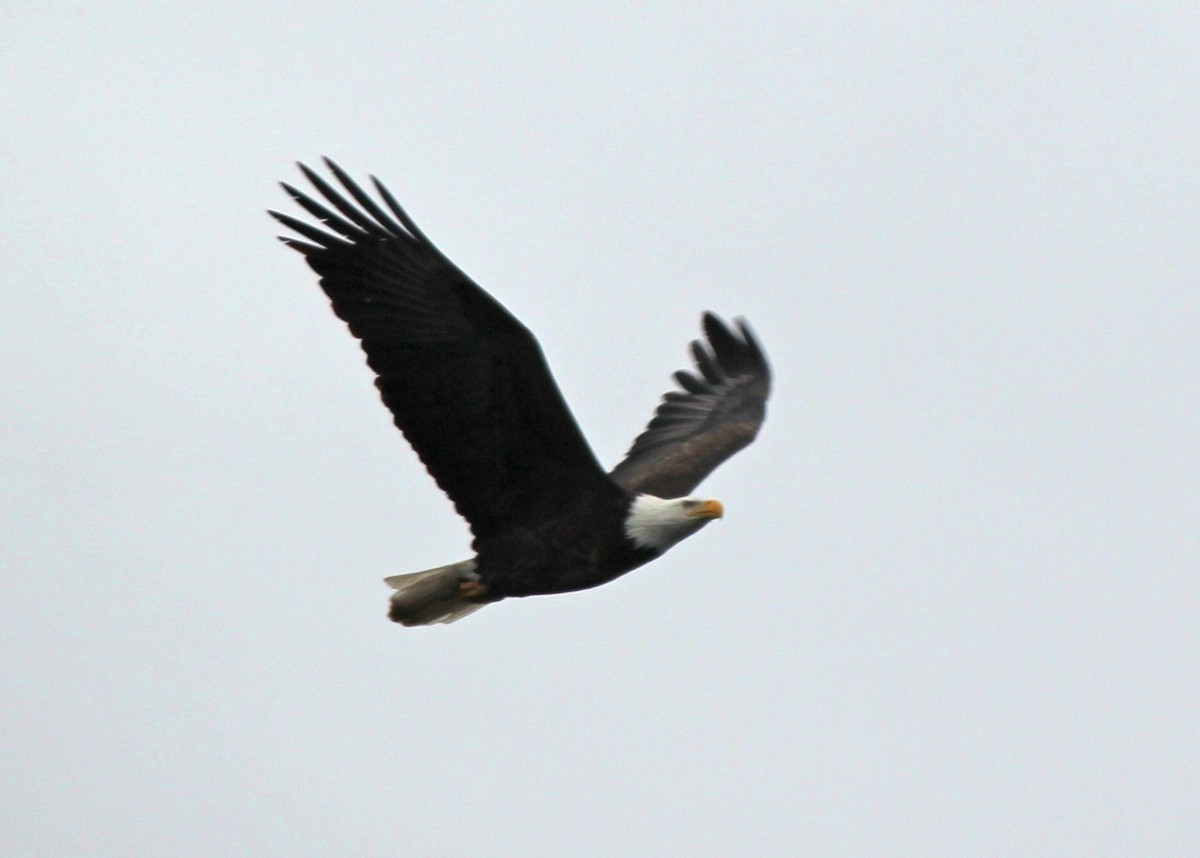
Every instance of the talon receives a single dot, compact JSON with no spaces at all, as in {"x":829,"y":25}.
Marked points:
{"x":472,"y":589}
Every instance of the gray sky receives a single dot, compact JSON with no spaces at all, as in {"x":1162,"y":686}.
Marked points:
{"x":952,"y":608}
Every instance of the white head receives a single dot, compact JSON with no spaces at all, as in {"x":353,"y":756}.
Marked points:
{"x":658,"y":524}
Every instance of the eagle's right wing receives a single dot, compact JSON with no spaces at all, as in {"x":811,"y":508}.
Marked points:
{"x":718,"y":412}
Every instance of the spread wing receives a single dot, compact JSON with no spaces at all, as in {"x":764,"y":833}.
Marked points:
{"x":465,"y":381}
{"x":718,"y":412}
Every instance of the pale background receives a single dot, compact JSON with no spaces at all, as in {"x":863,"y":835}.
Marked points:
{"x":952,"y":610}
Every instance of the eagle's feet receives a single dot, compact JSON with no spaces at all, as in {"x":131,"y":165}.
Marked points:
{"x":472,"y":590}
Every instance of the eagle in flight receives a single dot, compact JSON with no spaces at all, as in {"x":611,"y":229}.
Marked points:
{"x":468,"y":386}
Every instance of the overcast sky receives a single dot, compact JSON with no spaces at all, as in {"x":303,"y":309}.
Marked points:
{"x":952,"y":609}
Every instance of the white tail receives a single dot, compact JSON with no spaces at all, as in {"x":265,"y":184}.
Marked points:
{"x":432,"y":596}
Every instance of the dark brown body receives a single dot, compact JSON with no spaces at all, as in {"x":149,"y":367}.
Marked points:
{"x":585,"y":546}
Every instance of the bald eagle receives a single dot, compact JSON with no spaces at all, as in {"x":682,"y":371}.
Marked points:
{"x":468,"y":386}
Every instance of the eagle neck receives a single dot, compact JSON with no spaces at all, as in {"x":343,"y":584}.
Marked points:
{"x":656,"y":524}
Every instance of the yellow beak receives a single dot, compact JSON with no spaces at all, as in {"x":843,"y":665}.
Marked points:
{"x":708,"y":509}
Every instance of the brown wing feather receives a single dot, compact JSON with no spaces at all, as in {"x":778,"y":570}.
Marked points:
{"x":465,"y":381}
{"x":718,"y":412}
